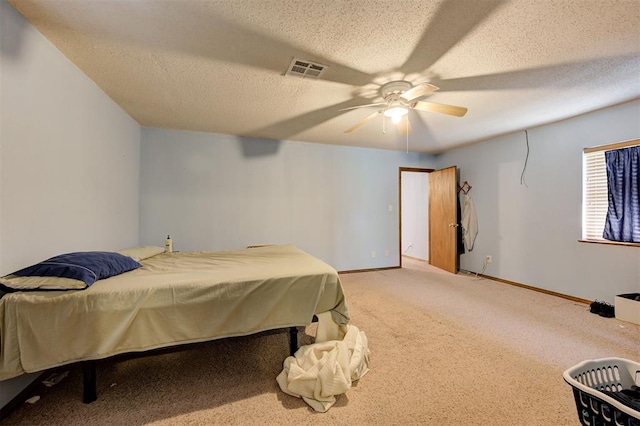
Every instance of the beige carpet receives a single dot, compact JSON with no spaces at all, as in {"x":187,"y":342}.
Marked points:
{"x":445,"y":350}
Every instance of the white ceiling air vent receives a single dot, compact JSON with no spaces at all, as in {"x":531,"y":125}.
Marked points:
{"x":305,"y":69}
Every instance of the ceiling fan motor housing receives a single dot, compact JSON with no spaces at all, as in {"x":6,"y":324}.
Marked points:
{"x":395,"y":88}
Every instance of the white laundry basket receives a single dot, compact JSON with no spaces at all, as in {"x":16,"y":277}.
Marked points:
{"x":590,"y":377}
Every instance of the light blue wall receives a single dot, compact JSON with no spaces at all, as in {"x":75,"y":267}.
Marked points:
{"x":218,"y":192}
{"x":70,"y":168}
{"x":69,"y":159}
{"x":532,"y":231}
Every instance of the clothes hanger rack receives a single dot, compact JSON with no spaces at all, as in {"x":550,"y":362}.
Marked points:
{"x":465,"y":187}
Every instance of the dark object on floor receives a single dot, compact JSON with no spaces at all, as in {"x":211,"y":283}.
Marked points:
{"x":607,"y":310}
{"x":603,"y":309}
{"x":629,"y":397}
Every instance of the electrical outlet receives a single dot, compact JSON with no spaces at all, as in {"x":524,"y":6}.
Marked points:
{"x":373,"y":253}
{"x":489,"y":259}
{"x":386,"y":252}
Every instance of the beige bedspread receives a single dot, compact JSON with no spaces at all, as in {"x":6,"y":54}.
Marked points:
{"x":175,"y":298}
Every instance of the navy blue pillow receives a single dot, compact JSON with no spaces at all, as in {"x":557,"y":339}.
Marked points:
{"x":88,"y":266}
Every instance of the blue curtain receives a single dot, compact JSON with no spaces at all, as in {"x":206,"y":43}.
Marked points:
{"x":623,"y":182}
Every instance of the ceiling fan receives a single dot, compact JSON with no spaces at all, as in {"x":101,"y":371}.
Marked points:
{"x":400,"y":97}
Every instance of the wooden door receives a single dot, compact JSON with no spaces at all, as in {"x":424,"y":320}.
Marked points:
{"x":443,"y":219}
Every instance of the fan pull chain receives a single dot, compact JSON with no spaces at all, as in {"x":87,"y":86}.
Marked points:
{"x":384,"y":132}
{"x":407,"y":135}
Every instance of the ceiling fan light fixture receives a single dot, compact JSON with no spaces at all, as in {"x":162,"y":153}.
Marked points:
{"x":396,"y":113}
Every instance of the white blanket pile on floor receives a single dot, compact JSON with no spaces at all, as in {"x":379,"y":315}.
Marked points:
{"x":318,"y":372}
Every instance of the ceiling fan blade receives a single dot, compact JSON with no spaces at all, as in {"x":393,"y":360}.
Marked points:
{"x":547,"y":75}
{"x":289,"y":127}
{"x":441,"y":108}
{"x":361,"y":122}
{"x":452,"y":22}
{"x":363,"y":106}
{"x":251,"y":47}
{"x":419,"y":90}
{"x":404,"y":126}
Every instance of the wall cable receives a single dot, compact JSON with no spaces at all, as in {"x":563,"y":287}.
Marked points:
{"x":526,"y":159}
{"x":484,"y":268}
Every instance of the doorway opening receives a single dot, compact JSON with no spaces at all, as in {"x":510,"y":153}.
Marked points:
{"x":414,"y":213}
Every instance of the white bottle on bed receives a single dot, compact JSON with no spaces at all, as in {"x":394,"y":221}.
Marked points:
{"x":168,"y":245}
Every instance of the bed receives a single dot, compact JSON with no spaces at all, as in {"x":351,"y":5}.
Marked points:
{"x":171,"y":299}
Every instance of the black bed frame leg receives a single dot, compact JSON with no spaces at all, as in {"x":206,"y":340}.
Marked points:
{"x":293,"y":340}
{"x":89,"y":388}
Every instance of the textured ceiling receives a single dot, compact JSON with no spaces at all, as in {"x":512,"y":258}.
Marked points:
{"x":218,"y":66}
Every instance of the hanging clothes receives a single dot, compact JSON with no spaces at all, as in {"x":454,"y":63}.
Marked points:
{"x":459,"y":233}
{"x":469,"y":222}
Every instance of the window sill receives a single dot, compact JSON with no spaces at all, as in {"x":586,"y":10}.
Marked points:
{"x":611,"y":243}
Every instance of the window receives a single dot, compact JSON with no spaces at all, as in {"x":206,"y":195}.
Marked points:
{"x":594,"y":210}
{"x":595,"y":197}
